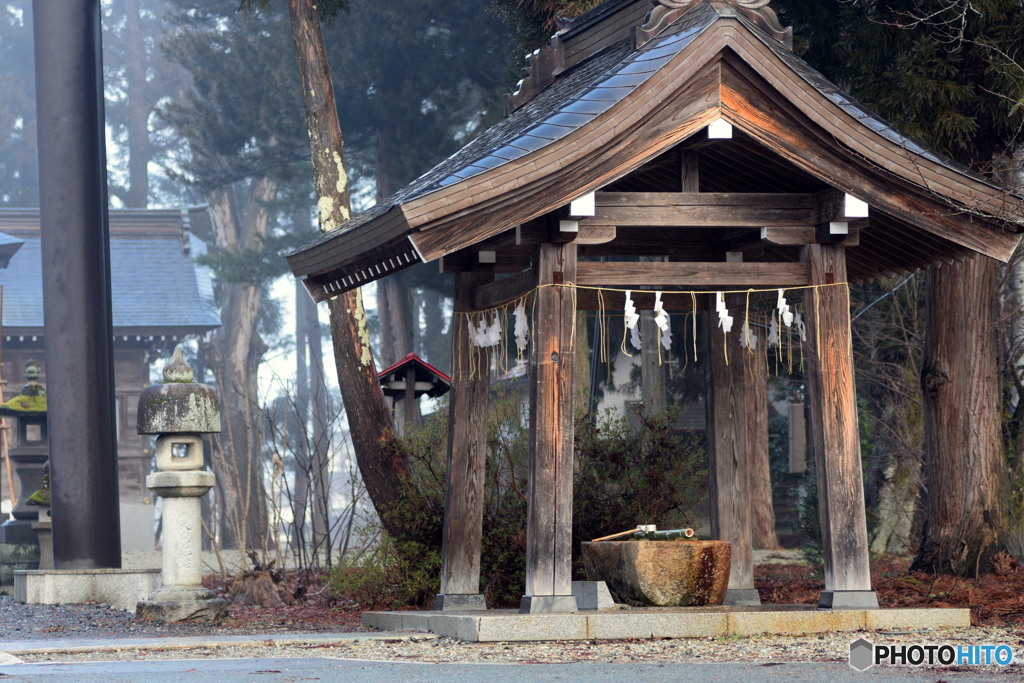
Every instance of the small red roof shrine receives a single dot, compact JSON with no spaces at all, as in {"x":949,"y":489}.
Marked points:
{"x":682,"y":149}
{"x":407,"y":380}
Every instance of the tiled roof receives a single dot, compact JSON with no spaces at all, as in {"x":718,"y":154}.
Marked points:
{"x":155,"y":288}
{"x":577,"y":97}
{"x":461,"y":193}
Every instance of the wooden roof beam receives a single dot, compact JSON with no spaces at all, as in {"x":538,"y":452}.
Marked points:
{"x":794,"y":236}
{"x":703,"y":209}
{"x":509,"y":260}
{"x":540,"y":230}
{"x":504,"y":291}
{"x":694,"y":275}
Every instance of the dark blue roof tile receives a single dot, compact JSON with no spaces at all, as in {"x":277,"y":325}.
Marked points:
{"x":153,"y":285}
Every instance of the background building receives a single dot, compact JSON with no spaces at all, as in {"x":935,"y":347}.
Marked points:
{"x":160,"y":297}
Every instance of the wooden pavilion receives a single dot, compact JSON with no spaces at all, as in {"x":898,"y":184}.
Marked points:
{"x":678,"y":148}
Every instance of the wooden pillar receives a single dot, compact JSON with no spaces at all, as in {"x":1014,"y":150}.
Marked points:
{"x":467,"y":456}
{"x":833,"y":402}
{"x":736,"y":400}
{"x":549,"y":517}
{"x":409,"y":407}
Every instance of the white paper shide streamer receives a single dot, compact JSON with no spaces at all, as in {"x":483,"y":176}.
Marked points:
{"x":748,"y":339}
{"x":773,"y":333}
{"x":484,"y":335}
{"x":784,"y":311}
{"x":631,"y":318}
{"x":724,"y":319}
{"x":522,"y":329}
{"x":661,"y":320}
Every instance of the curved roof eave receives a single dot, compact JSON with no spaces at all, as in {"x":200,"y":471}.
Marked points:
{"x":469,"y":198}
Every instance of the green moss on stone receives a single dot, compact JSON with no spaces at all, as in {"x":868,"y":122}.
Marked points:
{"x":27,"y":404}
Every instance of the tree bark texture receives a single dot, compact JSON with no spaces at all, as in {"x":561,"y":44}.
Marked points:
{"x":964,"y":473}
{"x":888,"y":342}
{"x":236,"y":352}
{"x":300,"y":456}
{"x":467,"y":449}
{"x":394,"y":311}
{"x":139,"y":148}
{"x":384,"y":469}
{"x":735,"y":390}
{"x":326,"y":147}
{"x":834,"y":430}
{"x":320,"y":465}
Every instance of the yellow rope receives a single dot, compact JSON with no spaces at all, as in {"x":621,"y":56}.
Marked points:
{"x":501,"y":359}
{"x":679,"y":292}
{"x":693,"y":296}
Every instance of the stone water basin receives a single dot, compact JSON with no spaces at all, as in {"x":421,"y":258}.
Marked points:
{"x":661,"y":573}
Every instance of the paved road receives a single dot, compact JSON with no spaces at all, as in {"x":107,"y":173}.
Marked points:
{"x":272,"y":670}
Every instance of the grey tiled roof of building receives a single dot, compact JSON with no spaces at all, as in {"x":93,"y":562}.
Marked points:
{"x":154,"y":287}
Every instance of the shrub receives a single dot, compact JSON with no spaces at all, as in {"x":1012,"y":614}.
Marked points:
{"x":627,"y":472}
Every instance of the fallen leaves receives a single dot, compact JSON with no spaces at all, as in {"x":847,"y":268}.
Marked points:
{"x":994,"y":599}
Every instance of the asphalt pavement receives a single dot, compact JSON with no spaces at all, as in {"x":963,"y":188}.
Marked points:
{"x":327,"y":669}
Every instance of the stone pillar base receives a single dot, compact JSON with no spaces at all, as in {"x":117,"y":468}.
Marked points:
{"x":744,"y":597}
{"x":169,"y":611}
{"x":534,"y":604}
{"x":592,"y":595}
{"x":848,"y":600}
{"x":459,"y":602}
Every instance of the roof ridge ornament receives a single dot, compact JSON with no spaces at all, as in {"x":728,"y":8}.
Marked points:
{"x":667,"y":12}
{"x":542,"y":67}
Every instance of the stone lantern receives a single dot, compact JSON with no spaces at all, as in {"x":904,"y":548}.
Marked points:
{"x":179,"y":411}
{"x":29,"y":452}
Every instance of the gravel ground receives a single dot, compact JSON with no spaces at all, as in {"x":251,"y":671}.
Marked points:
{"x":760,"y":649}
{"x":91,"y":621}
{"x":39,"y":622}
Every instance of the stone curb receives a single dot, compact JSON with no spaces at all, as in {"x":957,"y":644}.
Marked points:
{"x":35,"y":647}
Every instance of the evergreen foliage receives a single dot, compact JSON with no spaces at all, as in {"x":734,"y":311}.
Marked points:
{"x":19,"y":176}
{"x":950,"y":73}
{"x":241,"y":113}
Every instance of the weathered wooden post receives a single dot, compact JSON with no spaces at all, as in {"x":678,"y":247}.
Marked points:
{"x":467,"y":456}
{"x":829,"y":353}
{"x":735,"y":392}
{"x":549,"y":519}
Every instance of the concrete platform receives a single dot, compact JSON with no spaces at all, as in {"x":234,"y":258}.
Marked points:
{"x":121,"y":588}
{"x":663,"y":622}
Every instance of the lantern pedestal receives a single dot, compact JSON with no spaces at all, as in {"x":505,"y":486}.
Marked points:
{"x":181,"y":597}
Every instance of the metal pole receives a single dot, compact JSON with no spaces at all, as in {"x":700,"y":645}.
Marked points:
{"x":76,"y":284}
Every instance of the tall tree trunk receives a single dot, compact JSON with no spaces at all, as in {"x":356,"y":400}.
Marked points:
{"x":394,"y":311}
{"x":320,"y":455}
{"x":301,"y":447}
{"x":889,"y":344}
{"x":236,"y":353}
{"x":434,"y":345}
{"x":383,"y":467}
{"x":964,"y":474}
{"x":139,"y":149}
{"x":394,"y":300}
